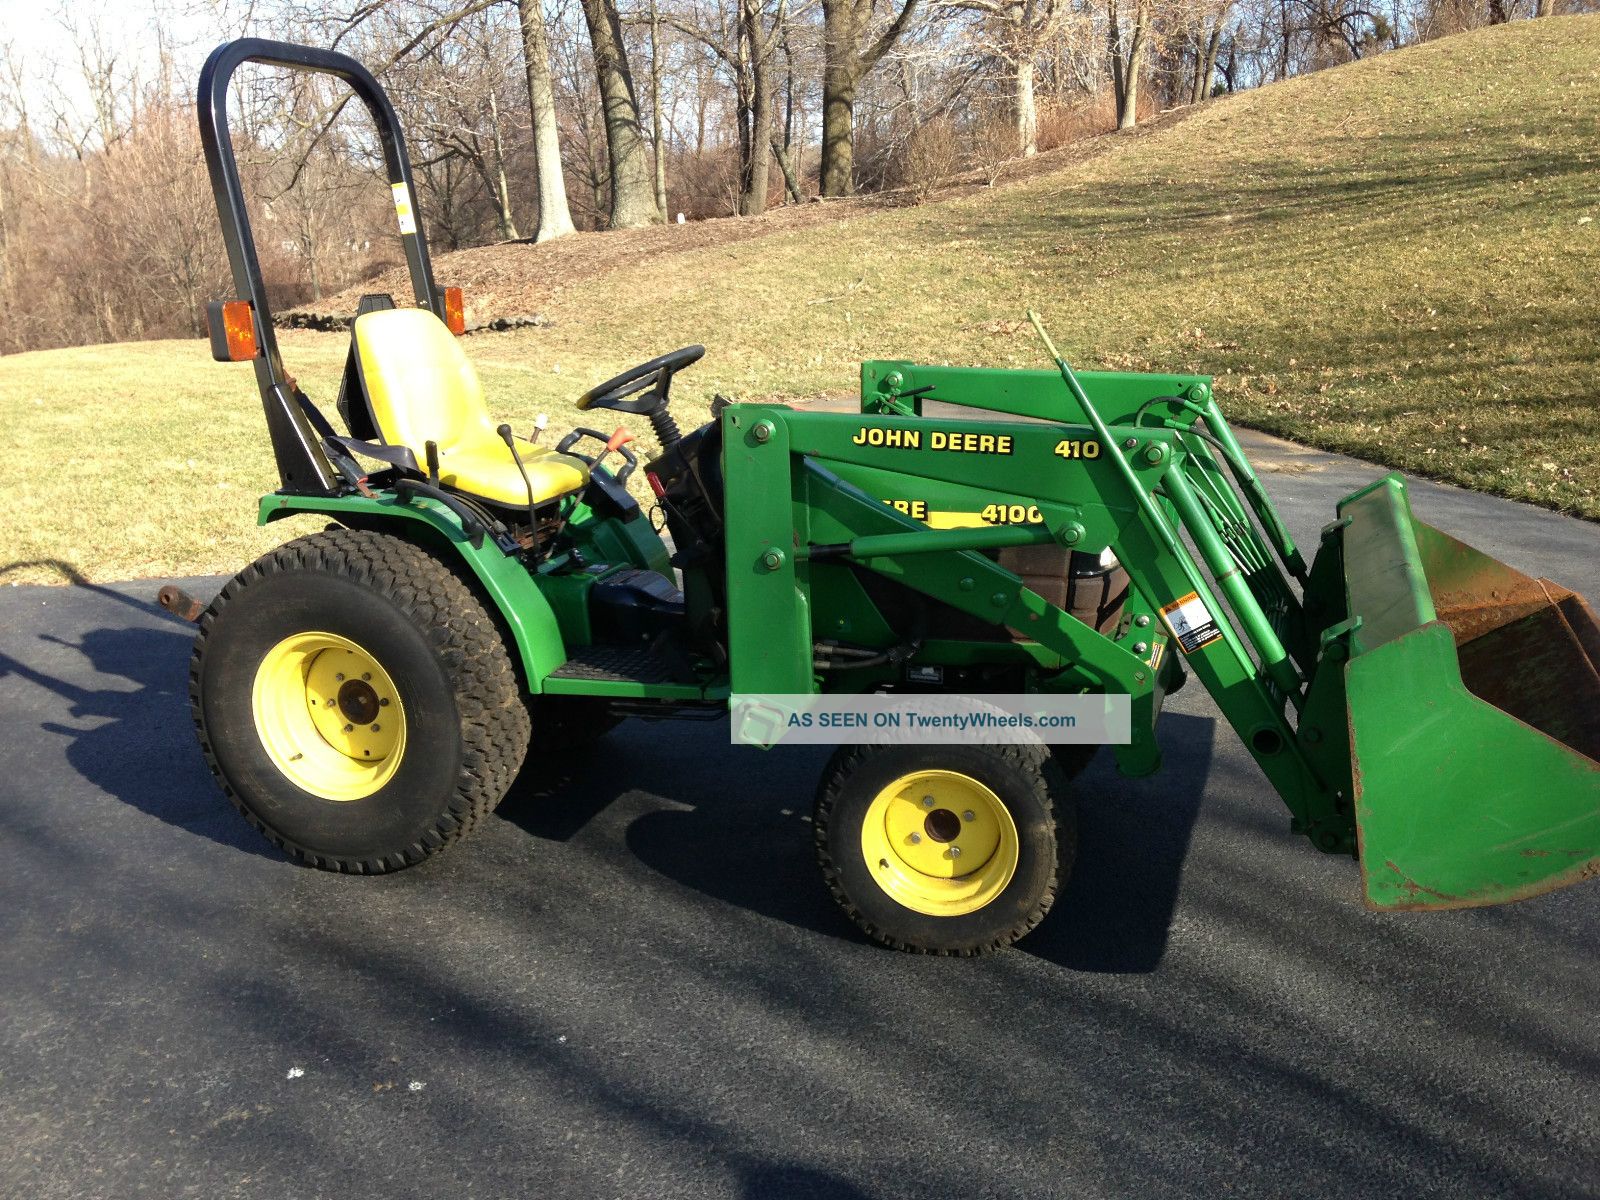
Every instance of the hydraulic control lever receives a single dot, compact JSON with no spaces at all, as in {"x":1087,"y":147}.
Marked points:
{"x":511,"y":444}
{"x":566,"y":444}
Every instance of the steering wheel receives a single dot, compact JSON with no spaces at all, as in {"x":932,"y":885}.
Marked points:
{"x":614,"y":393}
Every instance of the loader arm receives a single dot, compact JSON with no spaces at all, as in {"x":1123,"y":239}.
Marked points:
{"x":834,"y":483}
{"x":1379,"y":688}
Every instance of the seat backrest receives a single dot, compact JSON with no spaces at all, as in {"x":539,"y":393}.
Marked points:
{"x":352,"y":404}
{"x":419,"y":384}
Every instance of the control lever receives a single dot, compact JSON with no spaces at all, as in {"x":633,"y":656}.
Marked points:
{"x":566,"y":444}
{"x":616,"y":441}
{"x":511,"y":444}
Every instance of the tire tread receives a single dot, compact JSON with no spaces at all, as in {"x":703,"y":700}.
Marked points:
{"x":495,"y":723}
{"x":1034,"y":762}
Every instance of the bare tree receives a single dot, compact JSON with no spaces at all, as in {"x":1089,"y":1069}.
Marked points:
{"x":455,"y":91}
{"x":657,"y":142}
{"x":633,"y":202}
{"x":555,"y":218}
{"x":1205,"y":52}
{"x":746,"y":42}
{"x":1016,"y":30}
{"x":848,"y":56}
{"x":1127,"y":44}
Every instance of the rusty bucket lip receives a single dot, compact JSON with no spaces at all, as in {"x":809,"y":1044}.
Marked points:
{"x":1582,"y":872}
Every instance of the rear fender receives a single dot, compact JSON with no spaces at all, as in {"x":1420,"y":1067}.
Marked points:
{"x":501,"y":580}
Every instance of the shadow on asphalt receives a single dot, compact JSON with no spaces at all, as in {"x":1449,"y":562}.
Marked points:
{"x":729,"y":822}
{"x":736,"y":828}
{"x":1115,"y":913}
{"x":125,"y":745}
{"x":783,"y":1181}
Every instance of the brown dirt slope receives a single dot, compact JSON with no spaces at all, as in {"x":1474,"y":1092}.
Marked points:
{"x":521,"y":278}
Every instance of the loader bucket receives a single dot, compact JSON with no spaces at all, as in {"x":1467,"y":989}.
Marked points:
{"x":1473,"y":694}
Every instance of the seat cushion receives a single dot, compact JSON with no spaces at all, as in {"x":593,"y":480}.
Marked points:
{"x":486,"y":470}
{"x":422,"y":388}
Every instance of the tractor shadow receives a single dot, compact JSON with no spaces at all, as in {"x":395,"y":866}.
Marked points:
{"x":1115,"y":913}
{"x":733,"y":823}
{"x":130,"y":734}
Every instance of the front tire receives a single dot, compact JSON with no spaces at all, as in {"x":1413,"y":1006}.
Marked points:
{"x":356,"y":702}
{"x":953,"y":850}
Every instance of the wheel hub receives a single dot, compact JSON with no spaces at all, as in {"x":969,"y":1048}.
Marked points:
{"x":329,"y":716}
{"x":942,"y":825}
{"x":940,"y":842}
{"x":358,"y":702}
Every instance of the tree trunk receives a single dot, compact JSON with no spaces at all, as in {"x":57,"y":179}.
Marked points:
{"x":1209,"y":76}
{"x":1133,"y":64}
{"x":1114,"y":48}
{"x":840,"y":74}
{"x":1025,"y":110}
{"x":502,"y":186}
{"x":656,"y":140}
{"x":790,"y":181}
{"x":555,"y":218}
{"x":838,"y":134}
{"x":845,"y":63}
{"x":702,"y":101}
{"x":633,"y":202}
{"x":755,"y":189}
{"x":753,"y":170}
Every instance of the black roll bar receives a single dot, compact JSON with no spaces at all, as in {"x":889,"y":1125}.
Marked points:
{"x":303,"y":465}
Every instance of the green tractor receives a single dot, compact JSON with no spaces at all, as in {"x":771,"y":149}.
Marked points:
{"x":367,"y":694}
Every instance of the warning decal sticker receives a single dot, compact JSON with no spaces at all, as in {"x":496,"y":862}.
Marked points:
{"x":402,"y":209}
{"x":1191,"y":622}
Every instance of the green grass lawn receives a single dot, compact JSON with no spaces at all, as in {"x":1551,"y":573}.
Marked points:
{"x":1399,"y":259}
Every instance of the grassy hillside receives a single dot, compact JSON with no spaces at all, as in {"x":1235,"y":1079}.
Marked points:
{"x":1398,"y":259}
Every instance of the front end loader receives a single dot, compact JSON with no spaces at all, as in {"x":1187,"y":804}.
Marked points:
{"x":366,"y":694}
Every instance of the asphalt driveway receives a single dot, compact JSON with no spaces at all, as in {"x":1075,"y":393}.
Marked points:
{"x":631,"y":983}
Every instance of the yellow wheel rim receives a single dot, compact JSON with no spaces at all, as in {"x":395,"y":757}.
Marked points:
{"x":940,"y":843}
{"x":329,"y":716}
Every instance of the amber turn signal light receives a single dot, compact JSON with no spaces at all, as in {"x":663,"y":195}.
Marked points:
{"x":455,"y":311}
{"x":232,"y":324}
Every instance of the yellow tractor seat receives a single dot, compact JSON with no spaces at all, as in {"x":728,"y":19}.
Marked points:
{"x":421,"y":388}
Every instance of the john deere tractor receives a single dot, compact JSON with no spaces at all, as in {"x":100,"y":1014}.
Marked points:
{"x":367,"y":694}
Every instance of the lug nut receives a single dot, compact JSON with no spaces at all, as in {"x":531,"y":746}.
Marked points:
{"x":349,"y":728}
{"x":330,"y":703}
{"x":955,"y":851}
{"x":384,"y":703}
{"x":374,"y":729}
{"x":366,"y":675}
{"x":927,"y":802}
{"x":916,"y":839}
{"x":340,"y":677}
{"x":969,"y":815}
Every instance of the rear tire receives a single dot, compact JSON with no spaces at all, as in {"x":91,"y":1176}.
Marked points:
{"x":356,"y":702}
{"x":885,"y":851}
